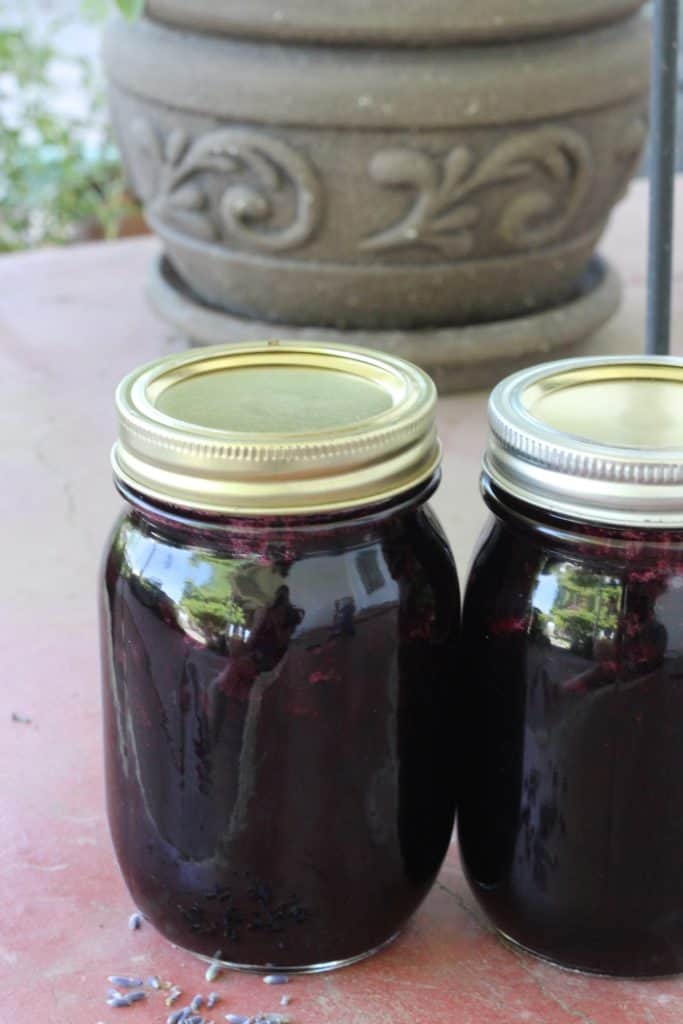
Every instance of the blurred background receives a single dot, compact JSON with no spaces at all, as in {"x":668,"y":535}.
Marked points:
{"x":60,"y":174}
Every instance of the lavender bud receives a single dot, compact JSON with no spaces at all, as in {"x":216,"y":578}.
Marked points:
{"x":173,"y":995}
{"x":136,"y":997}
{"x":122,"y":981}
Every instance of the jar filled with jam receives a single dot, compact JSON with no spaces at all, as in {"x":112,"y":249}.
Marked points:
{"x":280,"y":623}
{"x":571,"y":778}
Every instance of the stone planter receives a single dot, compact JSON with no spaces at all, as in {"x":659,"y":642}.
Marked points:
{"x":299,"y":177}
{"x":458,"y":359}
{"x":390,"y":21}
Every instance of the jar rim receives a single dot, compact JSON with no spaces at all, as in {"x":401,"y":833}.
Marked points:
{"x":595,"y":439}
{"x":276,"y":428}
{"x":310,"y":522}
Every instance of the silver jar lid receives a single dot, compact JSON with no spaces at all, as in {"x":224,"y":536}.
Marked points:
{"x":597,"y":439}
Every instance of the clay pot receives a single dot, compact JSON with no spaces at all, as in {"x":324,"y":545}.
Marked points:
{"x":316,"y":163}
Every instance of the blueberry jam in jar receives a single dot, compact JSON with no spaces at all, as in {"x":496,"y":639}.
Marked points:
{"x":571,"y":748}
{"x":280,"y":625}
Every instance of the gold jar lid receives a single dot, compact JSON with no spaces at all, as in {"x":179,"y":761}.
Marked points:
{"x":594,"y":439}
{"x":276,"y":428}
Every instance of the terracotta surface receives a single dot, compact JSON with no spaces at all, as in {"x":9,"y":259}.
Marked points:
{"x":71,"y":323}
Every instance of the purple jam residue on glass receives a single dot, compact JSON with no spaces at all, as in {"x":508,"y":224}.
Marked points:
{"x":571,"y":747}
{"x":278,"y":708}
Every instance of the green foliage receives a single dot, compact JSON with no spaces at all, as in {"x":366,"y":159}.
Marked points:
{"x":214,"y":605}
{"x":130,"y":8}
{"x":586,"y":606}
{"x":98,"y":9}
{"x":213,"y":616}
{"x":58,"y":172}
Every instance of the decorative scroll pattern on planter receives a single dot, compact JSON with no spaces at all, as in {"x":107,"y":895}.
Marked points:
{"x":553,"y":166}
{"x":171,"y":182}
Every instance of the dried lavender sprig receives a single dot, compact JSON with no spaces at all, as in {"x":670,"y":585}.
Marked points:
{"x":134,"y":921}
{"x":118,"y":1001}
{"x":212,"y":971}
{"x":276,"y":979}
{"x":211,"y":1001}
{"x":174,"y":994}
{"x":236,"y":1018}
{"x":123,"y":981}
{"x":197,"y":1003}
{"x":175,"y":1017}
{"x":153,"y":982}
{"x":136,"y":997}
{"x":112,"y":993}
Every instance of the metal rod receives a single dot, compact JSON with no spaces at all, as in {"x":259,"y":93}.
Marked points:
{"x":662,"y":168}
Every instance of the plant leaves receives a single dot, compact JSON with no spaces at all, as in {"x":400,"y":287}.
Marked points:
{"x":61,"y":178}
{"x":131,"y":9}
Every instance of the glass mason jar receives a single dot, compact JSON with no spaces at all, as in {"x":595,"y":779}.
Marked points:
{"x":571,"y":785}
{"x":280,"y":623}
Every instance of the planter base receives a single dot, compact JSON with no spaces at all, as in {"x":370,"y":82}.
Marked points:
{"x":458,"y":358}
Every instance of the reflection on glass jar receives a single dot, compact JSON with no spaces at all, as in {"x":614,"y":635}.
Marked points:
{"x":278,"y":703}
{"x":571,"y":804}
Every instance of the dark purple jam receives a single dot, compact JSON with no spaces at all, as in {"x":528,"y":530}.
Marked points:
{"x":278,"y":714}
{"x":571,"y":779}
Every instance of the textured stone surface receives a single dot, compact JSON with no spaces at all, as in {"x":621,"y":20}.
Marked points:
{"x":72,"y":322}
{"x":433,"y":21}
{"x":381,"y":186}
{"x":458,"y":358}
